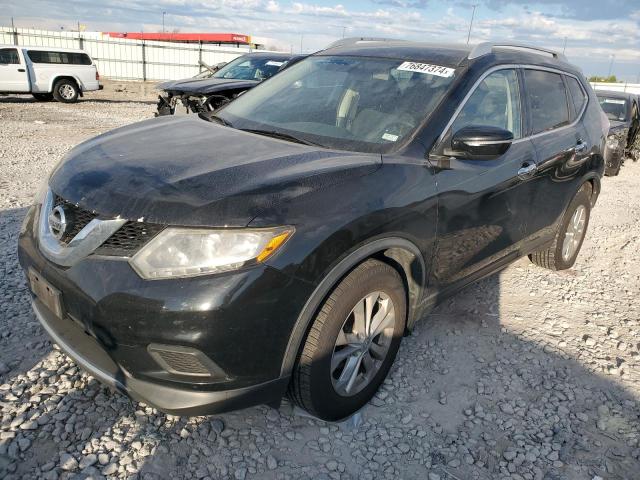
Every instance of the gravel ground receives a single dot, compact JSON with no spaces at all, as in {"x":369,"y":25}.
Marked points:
{"x":529,"y":374}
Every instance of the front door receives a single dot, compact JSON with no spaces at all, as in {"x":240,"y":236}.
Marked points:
{"x":13,"y":74}
{"x":484,"y":204}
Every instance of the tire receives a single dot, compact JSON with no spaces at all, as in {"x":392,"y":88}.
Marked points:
{"x":43,"y":97}
{"x":66,"y":91}
{"x":554,"y":258}
{"x":321,"y":389}
{"x":612,"y":168}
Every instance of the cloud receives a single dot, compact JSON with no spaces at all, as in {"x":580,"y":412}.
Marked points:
{"x":316,"y":23}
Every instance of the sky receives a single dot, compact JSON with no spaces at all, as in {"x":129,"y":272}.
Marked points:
{"x":598,"y":35}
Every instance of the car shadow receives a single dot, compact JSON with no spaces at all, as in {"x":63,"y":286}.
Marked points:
{"x":466,"y":398}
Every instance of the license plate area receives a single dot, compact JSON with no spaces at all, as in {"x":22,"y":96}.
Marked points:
{"x":49,"y":295}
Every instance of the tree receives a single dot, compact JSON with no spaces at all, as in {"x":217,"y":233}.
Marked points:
{"x":609,"y":79}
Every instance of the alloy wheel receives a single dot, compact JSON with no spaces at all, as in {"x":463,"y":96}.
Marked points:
{"x":66,"y":91}
{"x":362,"y":344}
{"x":575,"y":232}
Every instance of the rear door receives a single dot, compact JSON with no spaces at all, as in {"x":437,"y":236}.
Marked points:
{"x":13,"y":74}
{"x":562,"y":145}
{"x":484,"y":204}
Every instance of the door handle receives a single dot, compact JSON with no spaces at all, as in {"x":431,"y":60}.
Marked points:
{"x":580,"y":147}
{"x":527,"y":171}
{"x":21,"y":70}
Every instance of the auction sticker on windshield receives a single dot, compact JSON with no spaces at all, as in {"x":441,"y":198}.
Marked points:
{"x":427,"y":68}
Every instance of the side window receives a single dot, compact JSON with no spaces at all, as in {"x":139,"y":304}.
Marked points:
{"x":578,"y":96}
{"x":547,"y":100}
{"x":495,"y":103}
{"x":9,"y":56}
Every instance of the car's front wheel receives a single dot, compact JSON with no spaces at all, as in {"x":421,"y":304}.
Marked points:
{"x":612,"y":168}
{"x":352,"y":343}
{"x":562,"y":253}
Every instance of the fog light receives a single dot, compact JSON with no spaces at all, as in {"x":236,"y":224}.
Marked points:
{"x":180,"y":360}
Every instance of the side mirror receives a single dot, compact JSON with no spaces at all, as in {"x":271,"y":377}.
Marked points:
{"x":480,"y":142}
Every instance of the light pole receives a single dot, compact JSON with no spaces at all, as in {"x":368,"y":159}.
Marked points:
{"x":344,"y":29}
{"x":564,"y":47}
{"x":613,"y":57}
{"x":473,"y":13}
{"x":163,"y":14}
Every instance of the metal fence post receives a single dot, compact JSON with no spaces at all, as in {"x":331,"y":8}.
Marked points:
{"x":200,"y":56}
{"x":144,"y":63}
{"x":80,"y":41}
{"x":15,"y":32}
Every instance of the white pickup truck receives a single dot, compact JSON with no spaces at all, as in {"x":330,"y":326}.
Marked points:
{"x":47,"y":72}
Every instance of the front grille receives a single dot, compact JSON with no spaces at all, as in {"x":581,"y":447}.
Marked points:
{"x":129,"y":238}
{"x":126,"y":241}
{"x":79,"y":217}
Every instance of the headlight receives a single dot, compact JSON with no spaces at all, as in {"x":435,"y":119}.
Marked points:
{"x":613,"y":141}
{"x":186,"y":252}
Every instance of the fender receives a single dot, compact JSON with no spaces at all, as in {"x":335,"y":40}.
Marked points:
{"x":58,"y":76}
{"x":415,"y":272}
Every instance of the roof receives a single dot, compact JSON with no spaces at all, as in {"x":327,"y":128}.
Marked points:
{"x":45,"y":49}
{"x":449,"y":54}
{"x":616,"y":94}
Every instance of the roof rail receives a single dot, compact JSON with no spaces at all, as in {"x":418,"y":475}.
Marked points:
{"x":486,"y":48}
{"x":353,"y":40}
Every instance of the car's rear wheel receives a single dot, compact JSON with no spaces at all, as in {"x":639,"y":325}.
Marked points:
{"x":66,"y":91}
{"x":352,"y":343}
{"x":43,"y":97}
{"x":566,"y":245}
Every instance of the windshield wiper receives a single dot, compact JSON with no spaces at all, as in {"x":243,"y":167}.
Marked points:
{"x":216,"y":118}
{"x":280,"y":135}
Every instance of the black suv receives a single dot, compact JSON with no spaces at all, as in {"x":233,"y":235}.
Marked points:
{"x":624,"y":116}
{"x":288,"y":241}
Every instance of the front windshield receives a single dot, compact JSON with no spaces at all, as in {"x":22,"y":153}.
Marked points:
{"x":615,"y":108}
{"x":250,"y":68}
{"x":348,"y":103}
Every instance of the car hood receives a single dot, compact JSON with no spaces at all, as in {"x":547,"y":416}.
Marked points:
{"x":206,"y":85}
{"x":188,"y":171}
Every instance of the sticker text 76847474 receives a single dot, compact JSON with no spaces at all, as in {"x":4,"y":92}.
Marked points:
{"x":427,"y":68}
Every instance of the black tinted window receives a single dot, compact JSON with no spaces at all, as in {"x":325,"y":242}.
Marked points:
{"x":9,"y":56}
{"x":547,"y":100}
{"x":72,"y":58}
{"x":578,"y":96}
{"x":495,"y":103}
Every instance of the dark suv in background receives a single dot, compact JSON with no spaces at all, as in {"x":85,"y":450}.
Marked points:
{"x":287,"y":242}
{"x":624,"y":116}
{"x":204,"y":93}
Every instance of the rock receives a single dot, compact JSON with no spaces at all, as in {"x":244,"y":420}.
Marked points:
{"x":509,"y":455}
{"x":331,"y":465}
{"x":68,"y":462}
{"x":88,"y":461}
{"x":272,"y":463}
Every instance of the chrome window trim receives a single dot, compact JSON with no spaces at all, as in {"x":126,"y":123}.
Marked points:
{"x":512,"y":67}
{"x":83,"y":244}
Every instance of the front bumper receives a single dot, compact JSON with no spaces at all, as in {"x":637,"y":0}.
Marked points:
{"x":241,"y":321}
{"x":88,"y":354}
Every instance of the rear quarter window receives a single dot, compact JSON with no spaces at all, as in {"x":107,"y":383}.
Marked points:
{"x":69,"y":58}
{"x":547,"y":99}
{"x":578,"y":97}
